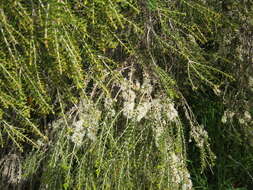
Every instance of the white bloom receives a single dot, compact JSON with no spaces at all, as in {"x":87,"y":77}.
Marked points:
{"x":58,"y":123}
{"x":142,"y":110}
{"x":247,"y":116}
{"x":91,"y":133}
{"x":77,"y":138}
{"x":230,"y":114}
{"x":88,"y":119}
{"x":129,"y":95}
{"x":128,"y":109}
{"x":108,"y":102}
{"x":180,"y":174}
{"x":227,"y":115}
{"x":200,"y":135}
{"x":157,"y":109}
{"x":160,"y":107}
{"x":40,"y":143}
{"x":171,"y":112}
{"x":203,"y":132}
{"x":224,"y":118}
{"x":241,"y":121}
{"x":175,"y":164}
{"x":156,"y":105}
{"x":79,"y":132}
{"x":187,"y":185}
{"x":112,"y":112}
{"x":159,"y":130}
{"x":124,"y":85}
{"x":78,"y":125}
{"x":129,"y":102}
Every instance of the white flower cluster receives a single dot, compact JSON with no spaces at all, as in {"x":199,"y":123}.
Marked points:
{"x":142,"y":110}
{"x":243,"y":119}
{"x":131,"y":110}
{"x":87,"y":124}
{"x":84,"y":123}
{"x":200,"y":135}
{"x":162,"y":113}
{"x":162,"y":109}
{"x":138,"y":111}
{"x":108,"y":103}
{"x":138,"y":104}
{"x":129,"y":97}
{"x":228,"y":115}
{"x":180,"y":174}
{"x":79,"y":132}
{"x":247,"y":122}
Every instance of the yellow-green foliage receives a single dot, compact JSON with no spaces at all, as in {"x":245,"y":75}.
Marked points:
{"x":55,"y":53}
{"x":50,"y":46}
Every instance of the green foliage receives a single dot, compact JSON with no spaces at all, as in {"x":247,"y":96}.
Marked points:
{"x":183,"y":57}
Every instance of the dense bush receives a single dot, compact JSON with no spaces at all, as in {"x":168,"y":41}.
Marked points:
{"x":125,"y":94}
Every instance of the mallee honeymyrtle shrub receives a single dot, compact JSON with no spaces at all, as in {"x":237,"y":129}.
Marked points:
{"x":99,"y":94}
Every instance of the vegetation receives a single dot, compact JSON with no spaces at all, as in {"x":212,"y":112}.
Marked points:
{"x":126,"y":94}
